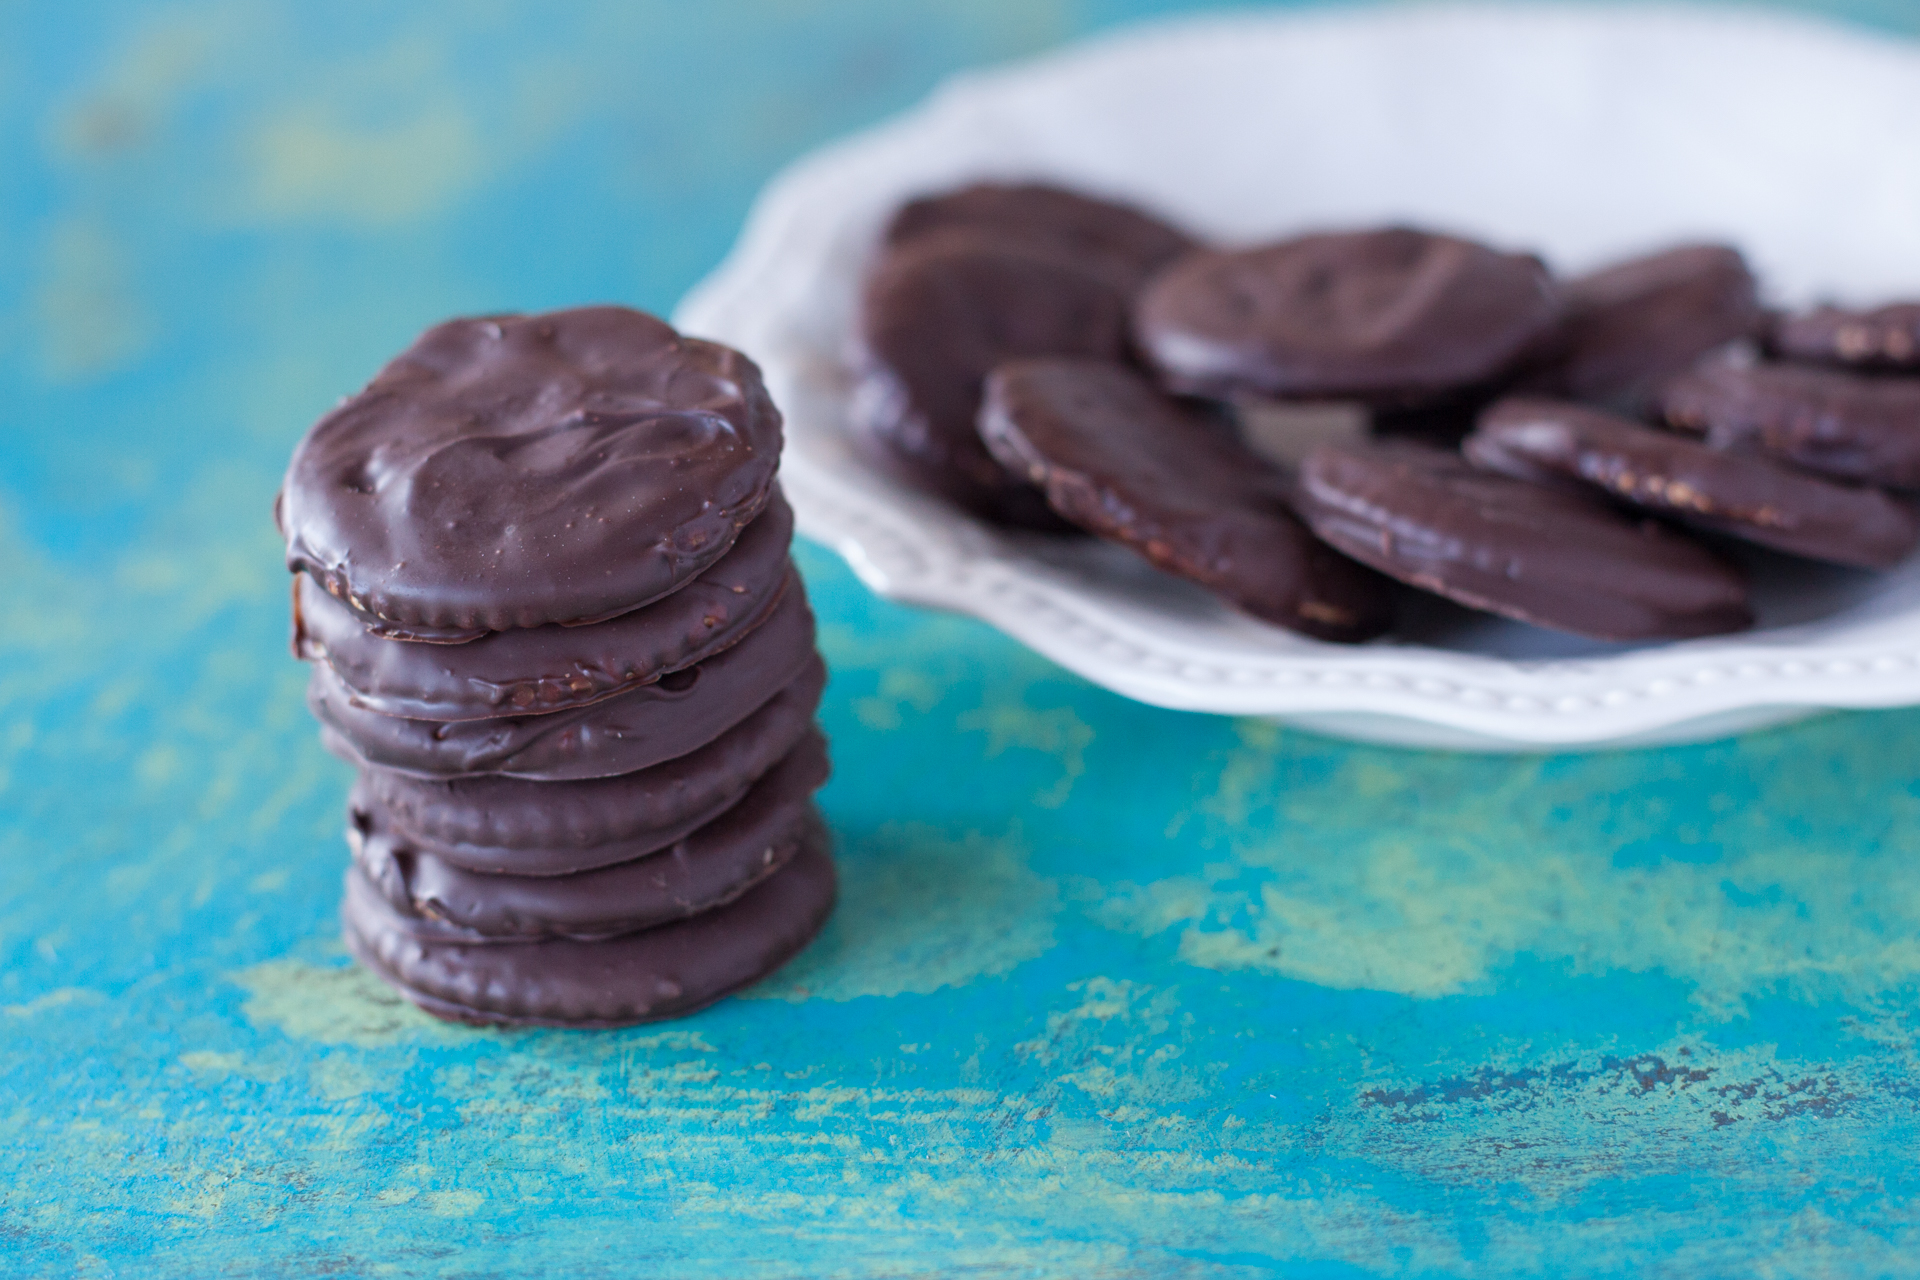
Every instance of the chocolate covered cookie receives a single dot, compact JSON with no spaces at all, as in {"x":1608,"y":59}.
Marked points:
{"x":702,"y":870}
{"x":515,"y":471}
{"x":1743,"y":495}
{"x":1127,"y":240}
{"x":1390,"y":317}
{"x":937,"y":315}
{"x":1885,"y":338}
{"x":1551,"y":558}
{"x":1850,"y":425}
{"x":551,"y":668}
{"x":659,"y":973}
{"x":495,"y":823}
{"x":1629,"y":327}
{"x":674,"y":715}
{"x":1118,"y":458}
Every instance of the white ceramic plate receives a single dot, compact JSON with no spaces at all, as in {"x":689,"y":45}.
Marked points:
{"x":1582,"y":133}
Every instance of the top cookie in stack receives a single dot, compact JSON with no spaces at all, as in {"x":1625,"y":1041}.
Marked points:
{"x":543,"y":578}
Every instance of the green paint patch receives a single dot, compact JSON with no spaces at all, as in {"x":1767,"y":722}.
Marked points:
{"x":920,"y":911}
{"x":334,"y":1004}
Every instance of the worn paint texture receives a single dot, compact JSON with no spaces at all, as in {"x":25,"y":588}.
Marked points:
{"x":1111,"y":992}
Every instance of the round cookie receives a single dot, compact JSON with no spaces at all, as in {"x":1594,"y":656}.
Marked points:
{"x":1850,"y":425}
{"x":937,"y":315}
{"x":1745,"y":496}
{"x":514,"y":471}
{"x":551,"y":668}
{"x":674,"y":715}
{"x":1886,"y":338}
{"x":1120,"y":459}
{"x":1530,"y":552}
{"x":1628,"y":327}
{"x":702,"y":870}
{"x":501,"y":824}
{"x":1389,"y":317}
{"x":1129,"y":240}
{"x":660,"y":973}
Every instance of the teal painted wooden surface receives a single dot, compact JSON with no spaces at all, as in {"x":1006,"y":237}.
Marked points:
{"x":1112,"y":992}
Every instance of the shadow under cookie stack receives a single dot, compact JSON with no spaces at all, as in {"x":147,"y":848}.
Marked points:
{"x":543,"y":578}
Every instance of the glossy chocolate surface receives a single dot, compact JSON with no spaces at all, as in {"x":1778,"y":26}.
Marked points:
{"x":937,"y":315}
{"x":502,"y":824}
{"x":703,"y":869}
{"x":1127,"y":239}
{"x":1120,"y":459}
{"x":1629,"y":327}
{"x":1850,"y":425}
{"x":551,"y":668}
{"x":636,"y":730}
{"x":1743,"y":495}
{"x":514,"y":471}
{"x":1530,"y":552}
{"x":639,"y":977}
{"x":1388,"y":317}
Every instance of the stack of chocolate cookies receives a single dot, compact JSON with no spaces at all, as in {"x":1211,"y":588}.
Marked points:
{"x":1300,"y":425}
{"x":542,"y":575}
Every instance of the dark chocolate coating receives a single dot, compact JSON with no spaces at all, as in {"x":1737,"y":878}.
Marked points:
{"x":551,"y":668}
{"x":1627,"y":328}
{"x":1850,"y":425}
{"x":513,"y":471}
{"x":1742,"y":495}
{"x":1127,"y":239}
{"x":1885,"y":338}
{"x":938,"y":313}
{"x":637,"y":730}
{"x":660,"y":973}
{"x":1530,"y":552}
{"x":501,"y":824}
{"x":705,"y":869}
{"x":1389,"y":317}
{"x":1120,"y":459}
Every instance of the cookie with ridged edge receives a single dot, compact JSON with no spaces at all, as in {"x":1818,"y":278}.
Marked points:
{"x":1126,"y":238}
{"x":1884,"y":338}
{"x":552,"y":668}
{"x":1387,"y":317}
{"x":937,"y":314}
{"x":502,"y":824}
{"x":1743,"y":495}
{"x":704,"y":869}
{"x":666,"y":972}
{"x":674,"y":715}
{"x":1853,"y":426}
{"x":1628,"y":327}
{"x":1530,"y":552}
{"x":514,"y":471}
{"x":1122,"y":460}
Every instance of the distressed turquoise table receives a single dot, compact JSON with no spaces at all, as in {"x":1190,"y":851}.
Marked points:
{"x":1112,"y":991}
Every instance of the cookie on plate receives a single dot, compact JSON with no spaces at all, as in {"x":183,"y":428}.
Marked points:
{"x":1853,"y":426}
{"x":1120,"y":459}
{"x":1746,"y":496}
{"x":937,"y":315}
{"x":1390,"y":318}
{"x":1527,"y":551}
{"x":1130,"y":241}
{"x":1886,"y":338}
{"x":1629,"y":327}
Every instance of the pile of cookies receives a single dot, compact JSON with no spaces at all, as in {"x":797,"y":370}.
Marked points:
{"x":1300,"y":424}
{"x":542,"y":574}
